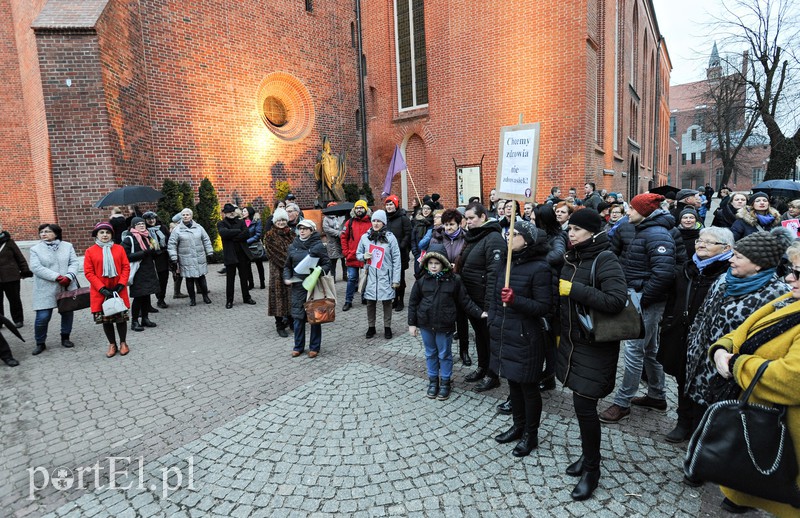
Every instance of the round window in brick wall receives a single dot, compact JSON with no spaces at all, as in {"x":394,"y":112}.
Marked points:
{"x":285,"y":106}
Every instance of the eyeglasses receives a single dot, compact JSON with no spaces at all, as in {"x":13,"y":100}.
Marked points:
{"x":709,"y":243}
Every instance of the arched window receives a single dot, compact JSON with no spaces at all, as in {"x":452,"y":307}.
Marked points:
{"x":412,"y":71}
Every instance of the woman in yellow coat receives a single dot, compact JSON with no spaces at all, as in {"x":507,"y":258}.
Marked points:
{"x":780,"y":383}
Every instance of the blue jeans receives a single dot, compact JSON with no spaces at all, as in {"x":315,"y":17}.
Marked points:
{"x":642,"y":354}
{"x":300,"y":336}
{"x":438,"y":353}
{"x":43,"y":320}
{"x":352,"y":284}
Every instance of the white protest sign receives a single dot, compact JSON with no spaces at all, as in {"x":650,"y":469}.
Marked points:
{"x":517,"y":167}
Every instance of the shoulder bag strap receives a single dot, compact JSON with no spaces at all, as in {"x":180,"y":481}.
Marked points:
{"x":752,"y":385}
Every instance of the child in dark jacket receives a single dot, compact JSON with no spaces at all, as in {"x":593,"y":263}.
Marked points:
{"x":432,"y":309}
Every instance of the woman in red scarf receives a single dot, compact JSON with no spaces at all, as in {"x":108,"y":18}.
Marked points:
{"x":141,"y":250}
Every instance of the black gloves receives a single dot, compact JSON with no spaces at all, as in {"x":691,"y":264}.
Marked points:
{"x":107,"y":293}
{"x":119,"y":287}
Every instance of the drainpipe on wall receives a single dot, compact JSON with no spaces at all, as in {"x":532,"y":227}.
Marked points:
{"x":657,"y":133}
{"x":362,"y":105}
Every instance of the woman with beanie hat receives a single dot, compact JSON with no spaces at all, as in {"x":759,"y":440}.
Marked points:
{"x":749,"y":283}
{"x":276,"y":242}
{"x":757,"y":216}
{"x":379,"y":250}
{"x":54,"y":266}
{"x":519,"y":317}
{"x":107,"y":268}
{"x":586,"y":367}
{"x":689,"y":226}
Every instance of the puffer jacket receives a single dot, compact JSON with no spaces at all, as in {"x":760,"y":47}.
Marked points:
{"x":518,"y":331}
{"x":649,"y":260}
{"x":145,"y":282}
{"x":485,"y":249}
{"x":625,"y":231}
{"x":747,"y":222}
{"x":353,"y":229}
{"x":586,"y":367}
{"x":399,"y":224}
{"x":380,"y":279}
{"x":298,"y":251}
{"x":190,"y":246}
{"x":434,"y":303}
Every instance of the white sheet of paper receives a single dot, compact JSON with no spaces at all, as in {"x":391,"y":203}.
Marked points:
{"x":305,"y":266}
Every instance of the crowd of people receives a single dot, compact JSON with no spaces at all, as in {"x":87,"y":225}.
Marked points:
{"x":704,"y":291}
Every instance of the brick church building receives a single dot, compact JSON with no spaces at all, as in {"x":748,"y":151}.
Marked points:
{"x":105,"y":93}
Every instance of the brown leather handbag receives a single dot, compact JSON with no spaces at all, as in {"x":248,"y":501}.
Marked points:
{"x":73,"y":300}
{"x":320,"y":304}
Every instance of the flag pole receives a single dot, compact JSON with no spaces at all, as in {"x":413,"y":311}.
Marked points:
{"x":413,"y":185}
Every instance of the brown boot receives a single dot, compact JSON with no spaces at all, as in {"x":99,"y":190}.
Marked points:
{"x":123,"y":348}
{"x":112,"y":350}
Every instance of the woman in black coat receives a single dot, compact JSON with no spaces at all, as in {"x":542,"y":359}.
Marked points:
{"x":517,"y":327}
{"x":307,"y":243}
{"x":139,"y":247}
{"x":714,"y":247}
{"x":586,"y":367}
{"x":160,"y":237}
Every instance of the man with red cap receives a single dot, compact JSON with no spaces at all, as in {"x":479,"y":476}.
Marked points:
{"x":649,"y":265}
{"x":399,"y":224}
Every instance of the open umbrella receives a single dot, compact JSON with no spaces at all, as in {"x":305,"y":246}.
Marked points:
{"x":664,"y":189}
{"x":340,"y":209}
{"x":788,"y":189}
{"x":129,"y":195}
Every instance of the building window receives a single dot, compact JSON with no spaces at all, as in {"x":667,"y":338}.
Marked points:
{"x":702,"y":157}
{"x":309,"y":5}
{"x":353,"y":41}
{"x":718,"y":180}
{"x":275,"y":111}
{"x":694,"y":158}
{"x":683,"y":159}
{"x":673,"y":126}
{"x":694,"y":133}
{"x":758,"y":175}
{"x":412,"y":71}
{"x":670,"y":159}
{"x":358,"y":120}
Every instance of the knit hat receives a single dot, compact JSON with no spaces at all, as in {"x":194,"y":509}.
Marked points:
{"x":587,"y":219}
{"x":688,"y":210}
{"x":280,"y":214}
{"x":435,"y":255}
{"x":177,"y":218}
{"x":528,"y":231}
{"x":361,"y":203}
{"x":685,"y":193}
{"x":307,"y":223}
{"x":102,"y":226}
{"x":228,"y":208}
{"x":149,"y":215}
{"x":603,"y":205}
{"x":646,"y":203}
{"x":755,"y":196}
{"x":765,"y":249}
{"x":135,"y":221}
{"x":394,"y":199}
{"x":379,"y":215}
{"x":435,"y":197}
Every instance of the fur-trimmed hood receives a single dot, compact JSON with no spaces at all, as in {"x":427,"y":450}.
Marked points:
{"x":748,"y":215}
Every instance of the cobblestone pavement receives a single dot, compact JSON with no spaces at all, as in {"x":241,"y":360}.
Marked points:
{"x":216,"y":419}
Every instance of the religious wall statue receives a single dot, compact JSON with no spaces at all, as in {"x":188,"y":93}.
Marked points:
{"x":329,"y":173}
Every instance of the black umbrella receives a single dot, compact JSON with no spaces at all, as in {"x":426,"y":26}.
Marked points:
{"x":129,"y":195}
{"x":11,"y":327}
{"x":663,"y":190}
{"x":781,"y":185}
{"x":340,"y":209}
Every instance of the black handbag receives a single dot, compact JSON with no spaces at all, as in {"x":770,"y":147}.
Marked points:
{"x":611,"y":327}
{"x":745,"y":447}
{"x":258,"y":251}
{"x":73,"y":300}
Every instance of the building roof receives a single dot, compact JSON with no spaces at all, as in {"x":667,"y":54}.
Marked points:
{"x":687,"y":96}
{"x":69,"y":14}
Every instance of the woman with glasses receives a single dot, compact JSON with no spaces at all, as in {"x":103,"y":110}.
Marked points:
{"x":713,"y":250}
{"x":54,"y":265}
{"x":769,"y":334}
{"x":749,"y":283}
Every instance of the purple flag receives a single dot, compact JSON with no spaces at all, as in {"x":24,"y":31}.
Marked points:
{"x":397,"y":164}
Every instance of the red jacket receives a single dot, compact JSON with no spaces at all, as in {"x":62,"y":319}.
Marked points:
{"x":93,"y":269}
{"x":354,"y":228}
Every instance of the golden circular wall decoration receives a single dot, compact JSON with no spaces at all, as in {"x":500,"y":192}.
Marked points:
{"x":285,"y":106}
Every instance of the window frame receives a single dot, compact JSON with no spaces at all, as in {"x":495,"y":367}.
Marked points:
{"x":414,"y":105}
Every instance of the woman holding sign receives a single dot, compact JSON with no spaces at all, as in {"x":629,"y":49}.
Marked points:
{"x":378,"y":248}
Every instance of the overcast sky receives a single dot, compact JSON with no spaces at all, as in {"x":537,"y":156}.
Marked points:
{"x":685,"y":27}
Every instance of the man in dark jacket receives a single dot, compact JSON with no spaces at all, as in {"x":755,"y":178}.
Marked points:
{"x":234,"y":234}
{"x":593,"y":198}
{"x":399,"y":224}
{"x":685,"y":198}
{"x":649,"y":266}
{"x":477,"y":265}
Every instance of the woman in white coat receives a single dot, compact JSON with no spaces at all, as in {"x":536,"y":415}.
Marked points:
{"x":378,"y":248}
{"x":188,"y":247}
{"x":55,"y":266}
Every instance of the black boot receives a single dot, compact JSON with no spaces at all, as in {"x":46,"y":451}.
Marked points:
{"x":39,"y":349}
{"x":162,"y":304}
{"x":192,"y":301}
{"x":282,"y":332}
{"x":444,"y":390}
{"x":475,"y":375}
{"x":135,"y":325}
{"x":10,"y":361}
{"x":176,"y":288}
{"x":146,"y":322}
{"x":206,"y":298}
{"x":548,"y":383}
{"x":586,"y":485}
{"x":679,"y":434}
{"x":433,"y":387}
{"x":505,"y":408}
{"x":466,"y":361}
{"x":487,"y":383}
{"x":387,"y":332}
{"x":528,"y":443}
{"x":370,"y":332}
{"x":65,"y":341}
{"x":512,"y":434}
{"x":204,"y":289}
{"x":576,"y":468}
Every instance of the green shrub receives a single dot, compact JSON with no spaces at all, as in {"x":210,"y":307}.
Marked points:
{"x":366,"y":191}
{"x":208,"y":212}
{"x":187,"y":195}
{"x":282,"y":188}
{"x":170,"y":204}
{"x":351,"y":192}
